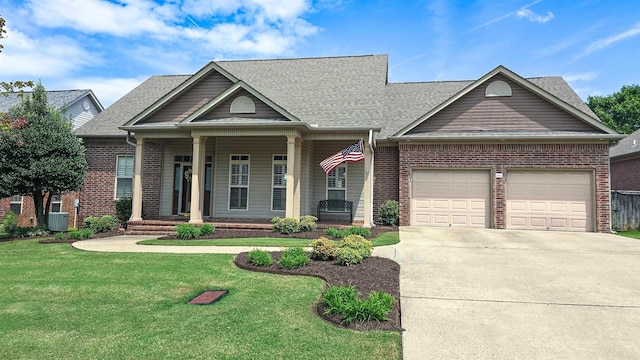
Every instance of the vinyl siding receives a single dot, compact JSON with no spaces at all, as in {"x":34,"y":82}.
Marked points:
{"x":523,"y":111}
{"x":79,"y":116}
{"x":355,"y":177}
{"x":191,"y":100}
{"x":263,"y":111}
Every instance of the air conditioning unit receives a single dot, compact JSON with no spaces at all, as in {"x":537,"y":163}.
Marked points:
{"x":58,"y":221}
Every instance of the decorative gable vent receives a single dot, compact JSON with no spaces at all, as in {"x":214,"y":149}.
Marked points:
{"x":498,"y":88}
{"x":243,"y":105}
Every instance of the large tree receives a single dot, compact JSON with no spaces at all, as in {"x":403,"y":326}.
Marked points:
{"x":40,"y":155}
{"x":620,"y":110}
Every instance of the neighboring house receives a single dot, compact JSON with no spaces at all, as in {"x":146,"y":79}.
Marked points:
{"x":625,"y":163}
{"x":244,"y":139}
{"x":79,"y":106}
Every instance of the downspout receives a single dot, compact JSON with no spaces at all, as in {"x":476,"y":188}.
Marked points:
{"x":371,"y":175}
{"x":129,"y":141}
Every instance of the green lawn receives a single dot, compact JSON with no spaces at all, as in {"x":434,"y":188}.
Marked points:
{"x":631,"y":234}
{"x":61,"y":303}
{"x":388,"y":238}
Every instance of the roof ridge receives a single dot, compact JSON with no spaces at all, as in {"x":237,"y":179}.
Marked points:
{"x":301,"y":58}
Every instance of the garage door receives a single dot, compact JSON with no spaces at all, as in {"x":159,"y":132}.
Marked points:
{"x":450,"y":198}
{"x":550,"y":200}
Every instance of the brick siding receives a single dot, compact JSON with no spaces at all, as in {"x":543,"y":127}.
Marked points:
{"x":27,"y":216}
{"x":385,"y":177}
{"x":625,"y":175}
{"x":503,"y":157}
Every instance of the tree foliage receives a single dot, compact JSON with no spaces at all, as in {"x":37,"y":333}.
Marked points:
{"x":620,"y":110}
{"x":40,"y":155}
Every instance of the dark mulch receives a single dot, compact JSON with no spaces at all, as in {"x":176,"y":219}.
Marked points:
{"x":50,"y":240}
{"x":373,"y":274}
{"x":248,"y":233}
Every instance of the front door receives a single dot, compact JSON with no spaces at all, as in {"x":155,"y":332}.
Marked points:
{"x":182,"y":172}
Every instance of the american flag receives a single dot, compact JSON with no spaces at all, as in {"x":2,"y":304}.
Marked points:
{"x":353,"y":153}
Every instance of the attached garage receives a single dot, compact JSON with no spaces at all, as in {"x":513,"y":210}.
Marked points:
{"x":450,"y":198}
{"x":550,"y":200}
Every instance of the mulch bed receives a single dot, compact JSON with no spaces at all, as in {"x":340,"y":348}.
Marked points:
{"x":248,"y":233}
{"x":50,"y":240}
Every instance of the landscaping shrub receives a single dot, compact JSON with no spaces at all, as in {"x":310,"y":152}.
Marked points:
{"x":59,"y":236}
{"x":336,"y":233}
{"x":80,"y":234}
{"x":389,"y":212}
{"x":308,"y":223}
{"x":356,"y":242}
{"x":39,"y":230}
{"x":123,"y":210}
{"x":323,"y":249}
{"x":292,"y":258}
{"x":348,"y":256}
{"x":206,"y":229}
{"x":359,"y":230}
{"x":286,"y":225}
{"x":100,"y":224}
{"x":345,"y":300}
{"x":260,"y":258}
{"x":187,"y":231}
{"x":9,"y":223}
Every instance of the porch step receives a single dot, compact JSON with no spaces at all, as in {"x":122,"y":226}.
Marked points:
{"x":163,"y":227}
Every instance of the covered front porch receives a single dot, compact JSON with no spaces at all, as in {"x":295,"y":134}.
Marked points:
{"x":245,"y":176}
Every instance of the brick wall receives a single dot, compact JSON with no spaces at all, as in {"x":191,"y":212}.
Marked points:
{"x":501,"y":158}
{"x":385,"y":176}
{"x":97,"y":194}
{"x":27,"y":216}
{"x":625,"y":175}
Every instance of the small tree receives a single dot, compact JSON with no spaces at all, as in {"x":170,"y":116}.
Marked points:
{"x":40,"y":155}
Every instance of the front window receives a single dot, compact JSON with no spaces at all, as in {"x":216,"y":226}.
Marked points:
{"x":279,"y":179}
{"x":337,"y":184}
{"x":16,"y":204}
{"x":124,"y":176}
{"x":239,"y":182}
{"x":56,"y":203}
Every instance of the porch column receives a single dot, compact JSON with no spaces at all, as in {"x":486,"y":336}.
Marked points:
{"x":136,"y":203}
{"x":296,"y":179}
{"x":368,"y":198}
{"x":197,"y":179}
{"x":293,"y":177}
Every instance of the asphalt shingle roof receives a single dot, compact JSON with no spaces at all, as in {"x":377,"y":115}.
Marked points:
{"x":626,"y":146}
{"x":57,"y":98}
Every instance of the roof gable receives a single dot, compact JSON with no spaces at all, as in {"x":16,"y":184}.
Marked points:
{"x":583,"y":122}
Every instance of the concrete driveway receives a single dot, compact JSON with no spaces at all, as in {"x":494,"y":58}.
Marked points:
{"x":497,"y":294}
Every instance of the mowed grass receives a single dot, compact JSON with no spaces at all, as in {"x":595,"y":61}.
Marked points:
{"x":387,"y":238}
{"x":631,"y":234}
{"x":61,"y":303}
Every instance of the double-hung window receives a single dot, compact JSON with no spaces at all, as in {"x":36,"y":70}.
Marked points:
{"x":239,"y":182}
{"x":337,"y":184}
{"x":16,"y":204}
{"x":56,"y":203}
{"x":124,"y":176}
{"x":279,"y":178}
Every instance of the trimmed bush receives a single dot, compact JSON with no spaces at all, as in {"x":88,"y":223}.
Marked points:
{"x":345,"y":300}
{"x":80,"y":234}
{"x":260,"y":258}
{"x":59,"y":236}
{"x":356,"y":242}
{"x":323,"y":249}
{"x":187,"y":231}
{"x":389,"y":212}
{"x":286,"y":225}
{"x":206,"y":229}
{"x":308,"y":223}
{"x":292,"y":258}
{"x":100,"y":224}
{"x":336,"y":233}
{"x":348,"y":256}
{"x":123,"y":210}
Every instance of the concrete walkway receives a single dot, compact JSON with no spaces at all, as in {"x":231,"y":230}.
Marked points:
{"x":498,"y":294}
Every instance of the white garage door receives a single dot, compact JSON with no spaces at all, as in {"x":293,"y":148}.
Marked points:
{"x":450,"y":198}
{"x":550,"y":200}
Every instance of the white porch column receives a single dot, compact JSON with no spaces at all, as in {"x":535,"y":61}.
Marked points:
{"x":291,"y":187}
{"x":197,"y":179}
{"x":136,"y":204}
{"x":296,"y":178}
{"x":368,"y":198}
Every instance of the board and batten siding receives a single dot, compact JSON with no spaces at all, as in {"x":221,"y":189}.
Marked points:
{"x":355,"y":177}
{"x":522,"y":111}
{"x":263,"y":111}
{"x":192,"y":100}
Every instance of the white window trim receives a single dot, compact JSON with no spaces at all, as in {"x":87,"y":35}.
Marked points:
{"x":242,"y":105}
{"x":56,"y":202}
{"x":15,"y":201}
{"x":115,"y":187}
{"x":284,"y":180}
{"x":346,"y":182}
{"x":231,"y":162}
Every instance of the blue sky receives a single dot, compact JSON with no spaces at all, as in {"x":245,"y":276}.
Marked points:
{"x":111,"y":46}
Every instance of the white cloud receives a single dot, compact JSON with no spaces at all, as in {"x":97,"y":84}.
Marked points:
{"x":580,"y":77}
{"x":528,"y":14}
{"x":606,"y":42}
{"x":106,"y":90}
